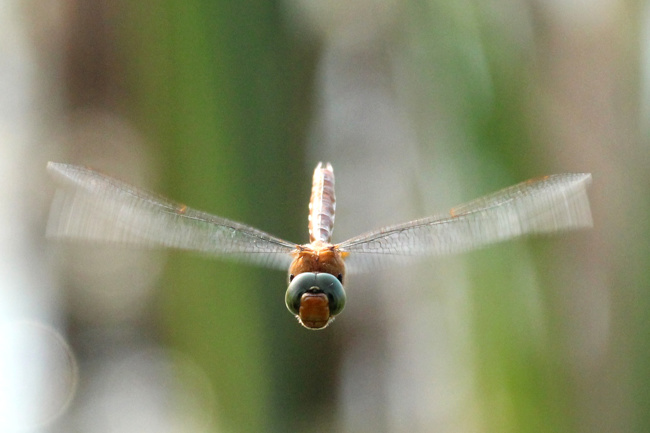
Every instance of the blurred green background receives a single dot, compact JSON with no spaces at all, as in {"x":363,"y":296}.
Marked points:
{"x":419,"y":105}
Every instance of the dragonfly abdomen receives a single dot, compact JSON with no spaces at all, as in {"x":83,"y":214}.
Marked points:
{"x":322,"y":204}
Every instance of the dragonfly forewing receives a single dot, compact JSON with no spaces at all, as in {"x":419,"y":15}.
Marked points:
{"x":89,"y":205}
{"x":550,"y":204}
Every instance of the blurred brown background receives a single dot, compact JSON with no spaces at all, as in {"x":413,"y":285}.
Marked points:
{"x":419,"y":105}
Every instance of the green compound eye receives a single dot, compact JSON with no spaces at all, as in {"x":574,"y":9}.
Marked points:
{"x":315,"y":282}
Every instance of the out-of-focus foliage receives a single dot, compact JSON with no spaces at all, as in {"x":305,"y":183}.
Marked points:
{"x":419,"y":105}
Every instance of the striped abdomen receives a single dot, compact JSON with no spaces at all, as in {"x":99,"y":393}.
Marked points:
{"x":322,"y":204}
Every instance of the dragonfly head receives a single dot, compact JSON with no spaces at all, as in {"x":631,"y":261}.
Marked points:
{"x":315,"y":298}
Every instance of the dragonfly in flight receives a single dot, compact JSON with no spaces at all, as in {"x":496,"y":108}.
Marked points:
{"x":90,"y":205}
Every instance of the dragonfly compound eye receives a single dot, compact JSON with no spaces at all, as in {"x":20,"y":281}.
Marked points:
{"x":310,"y":293}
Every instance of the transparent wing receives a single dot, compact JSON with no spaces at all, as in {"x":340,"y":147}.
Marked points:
{"x":89,"y":205}
{"x":553,"y":203}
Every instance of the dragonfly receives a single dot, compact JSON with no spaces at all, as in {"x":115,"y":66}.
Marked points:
{"x":89,"y":205}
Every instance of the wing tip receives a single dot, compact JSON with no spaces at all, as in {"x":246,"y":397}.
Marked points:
{"x":53,"y":167}
{"x":60,"y":170}
{"x":585,"y":177}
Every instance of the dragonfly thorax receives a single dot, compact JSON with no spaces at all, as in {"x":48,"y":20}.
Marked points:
{"x":318,"y":257}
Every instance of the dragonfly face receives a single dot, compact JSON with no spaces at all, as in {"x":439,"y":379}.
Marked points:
{"x":90,"y":205}
{"x":315,"y":298}
{"x":315,"y":294}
